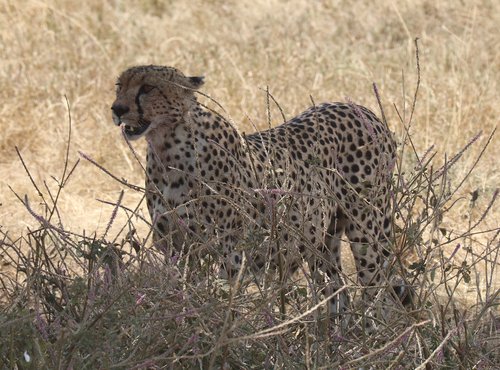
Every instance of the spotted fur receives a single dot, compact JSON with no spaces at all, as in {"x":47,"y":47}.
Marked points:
{"x":285,"y":195}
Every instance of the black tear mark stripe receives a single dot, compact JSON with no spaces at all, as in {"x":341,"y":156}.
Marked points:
{"x":138,"y":101}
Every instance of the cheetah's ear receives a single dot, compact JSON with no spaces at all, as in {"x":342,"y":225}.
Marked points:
{"x":195,"y":82}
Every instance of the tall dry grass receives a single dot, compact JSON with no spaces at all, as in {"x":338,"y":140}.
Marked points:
{"x":330,"y":50}
{"x":60,"y":53}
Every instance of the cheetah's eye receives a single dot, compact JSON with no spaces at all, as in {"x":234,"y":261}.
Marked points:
{"x":147,"y":88}
{"x":118,"y":86}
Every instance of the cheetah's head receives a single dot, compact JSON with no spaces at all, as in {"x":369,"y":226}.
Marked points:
{"x":150,"y":96}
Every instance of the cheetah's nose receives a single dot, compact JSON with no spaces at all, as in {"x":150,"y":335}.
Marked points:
{"x":119,"y":109}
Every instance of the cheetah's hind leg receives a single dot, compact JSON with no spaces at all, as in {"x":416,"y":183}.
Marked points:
{"x":326,"y":263}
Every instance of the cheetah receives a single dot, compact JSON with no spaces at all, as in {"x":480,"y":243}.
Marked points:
{"x":302,"y":185}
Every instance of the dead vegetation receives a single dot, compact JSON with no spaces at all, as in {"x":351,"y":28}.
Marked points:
{"x":78,"y":292}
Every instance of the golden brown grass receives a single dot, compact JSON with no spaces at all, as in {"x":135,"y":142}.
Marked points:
{"x":330,"y":51}
{"x":300,"y":49}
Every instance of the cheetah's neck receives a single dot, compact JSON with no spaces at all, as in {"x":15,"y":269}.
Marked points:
{"x":202,"y":148}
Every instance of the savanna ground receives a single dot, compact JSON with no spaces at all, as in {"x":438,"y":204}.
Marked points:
{"x":70,"y":299}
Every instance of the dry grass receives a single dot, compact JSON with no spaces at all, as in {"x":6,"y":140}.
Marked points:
{"x":328,"y":50}
{"x":298,"y":49}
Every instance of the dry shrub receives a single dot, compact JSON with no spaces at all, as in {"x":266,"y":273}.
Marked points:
{"x":101,"y":298}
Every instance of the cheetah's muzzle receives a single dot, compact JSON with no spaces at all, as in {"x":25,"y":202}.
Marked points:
{"x":134,"y":132}
{"x":131,"y":132}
